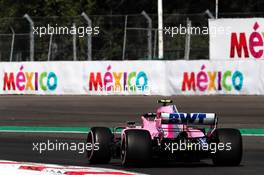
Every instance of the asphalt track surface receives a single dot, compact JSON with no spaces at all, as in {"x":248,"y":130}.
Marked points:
{"x":88,"y":111}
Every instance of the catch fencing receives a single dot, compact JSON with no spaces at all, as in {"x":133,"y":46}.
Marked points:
{"x":121,"y":37}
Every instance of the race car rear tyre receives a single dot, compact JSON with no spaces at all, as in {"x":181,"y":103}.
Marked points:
{"x":101,"y":140}
{"x":231,"y":155}
{"x":136,"y":148}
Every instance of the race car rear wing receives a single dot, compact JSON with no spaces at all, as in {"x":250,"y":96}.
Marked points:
{"x":189,"y":118}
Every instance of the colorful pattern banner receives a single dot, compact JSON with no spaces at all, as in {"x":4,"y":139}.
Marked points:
{"x":133,"y":78}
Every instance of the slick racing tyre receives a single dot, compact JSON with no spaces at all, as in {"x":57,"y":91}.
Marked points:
{"x":101,"y":139}
{"x":136,"y":148}
{"x":231,"y":155}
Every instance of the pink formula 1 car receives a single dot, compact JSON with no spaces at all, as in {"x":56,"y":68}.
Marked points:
{"x":167,"y":135}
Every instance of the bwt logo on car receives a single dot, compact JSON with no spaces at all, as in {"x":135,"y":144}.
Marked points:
{"x":187,"y":118}
{"x":118,"y":81}
{"x":213,"y":80}
{"x":29,"y":81}
{"x":247,"y":46}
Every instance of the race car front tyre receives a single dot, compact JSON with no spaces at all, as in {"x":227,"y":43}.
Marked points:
{"x":231,"y":153}
{"x":136,"y":148}
{"x":100,"y":138}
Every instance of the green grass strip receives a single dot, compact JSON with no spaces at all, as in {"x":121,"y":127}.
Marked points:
{"x":46,"y":129}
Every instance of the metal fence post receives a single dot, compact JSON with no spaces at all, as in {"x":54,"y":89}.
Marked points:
{"x":188,"y":40}
{"x":31,"y":36}
{"x":89,"y":37}
{"x":149,"y":20}
{"x":50,"y":44}
{"x":12,"y":44}
{"x":160,"y":27}
{"x":124,"y":42}
{"x":216,"y":9}
{"x":155,"y":44}
{"x":74,"y":44}
{"x":210,"y":15}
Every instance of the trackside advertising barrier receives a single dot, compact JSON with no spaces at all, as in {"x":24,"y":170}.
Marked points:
{"x":237,"y":38}
{"x":133,"y":78}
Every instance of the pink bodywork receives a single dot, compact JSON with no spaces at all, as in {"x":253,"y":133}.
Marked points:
{"x":156,"y":129}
